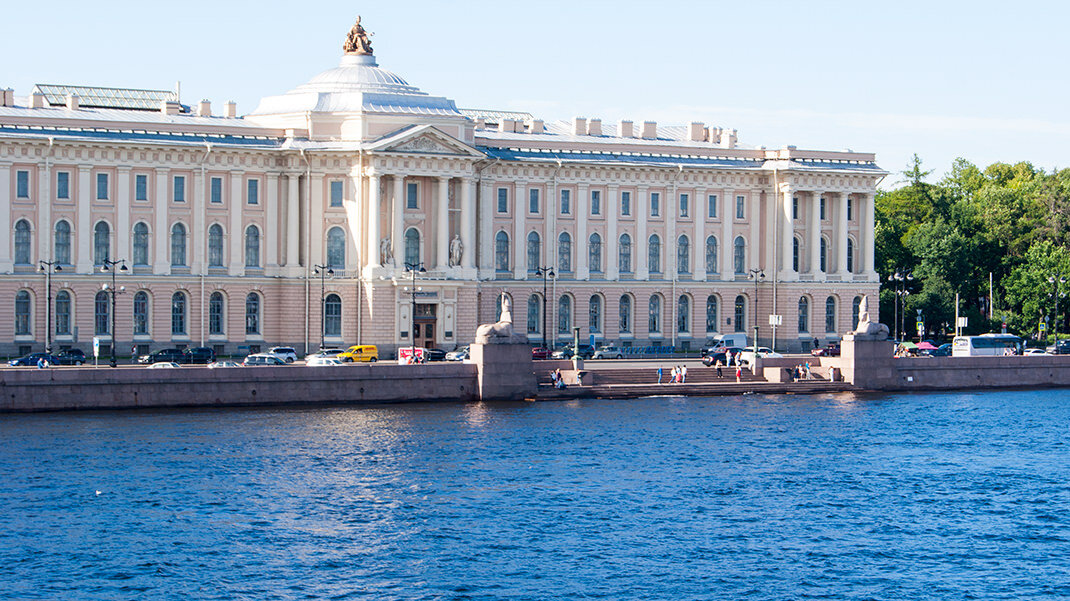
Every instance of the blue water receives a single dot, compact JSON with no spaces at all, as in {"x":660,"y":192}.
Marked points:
{"x":943,"y":496}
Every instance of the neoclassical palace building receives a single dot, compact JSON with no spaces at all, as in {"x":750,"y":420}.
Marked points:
{"x":301,"y":221}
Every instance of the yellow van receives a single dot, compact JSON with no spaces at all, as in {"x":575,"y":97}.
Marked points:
{"x":361,"y":352}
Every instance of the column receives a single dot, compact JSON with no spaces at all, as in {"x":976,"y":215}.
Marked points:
{"x":468,"y":223}
{"x":397,"y":221}
{"x":787,"y":234}
{"x":668,"y":246}
{"x":237,"y":231}
{"x":867,"y":244}
{"x":375,"y":212}
{"x":200,"y":215}
{"x":841,"y":236}
{"x":520,"y":212}
{"x":160,"y":258}
{"x":486,"y":221}
{"x":271,"y":241}
{"x":123,"y":249}
{"x":354,"y":209}
{"x":609,"y":246}
{"x":754,"y":253}
{"x":293,"y":219}
{"x":44,"y":212}
{"x":549,"y":240}
{"x":579,"y":245}
{"x":640,"y":249}
{"x":815,"y":235}
{"x":442,"y":223}
{"x":698,"y":211}
{"x":315,"y":212}
{"x":727,"y":246}
{"x":6,"y":261}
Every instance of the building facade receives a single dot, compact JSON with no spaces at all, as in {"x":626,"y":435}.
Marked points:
{"x":302,"y":221}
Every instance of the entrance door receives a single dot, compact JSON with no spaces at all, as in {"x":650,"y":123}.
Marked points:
{"x":426,"y":321}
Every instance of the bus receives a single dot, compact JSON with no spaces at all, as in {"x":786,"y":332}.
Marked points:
{"x":986,"y":345}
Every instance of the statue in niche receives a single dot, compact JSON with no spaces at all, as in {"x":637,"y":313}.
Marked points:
{"x":386,"y":252}
{"x":867,"y":328}
{"x":358,"y":41}
{"x":501,"y":332}
{"x":456,"y":250}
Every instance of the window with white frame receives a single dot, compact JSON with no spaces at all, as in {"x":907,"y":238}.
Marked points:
{"x":655,"y":204}
{"x":684,"y":202}
{"x":711,"y":206}
{"x":625,"y":204}
{"x":63,"y":185}
{"x":252,"y":192}
{"x":102,"y":186}
{"x":141,"y":187}
{"x":141,"y":312}
{"x":566,"y":202}
{"x":216,"y":186}
{"x":179,"y":192}
{"x":215,"y":314}
{"x":533,"y":201}
{"x":821,"y":208}
{"x":178,"y":314}
{"x":337,"y":189}
{"x":412,"y":196}
{"x":624,"y":314}
{"x":503,"y":200}
{"x":596,"y":202}
{"x":741,"y":207}
{"x":22,"y":184}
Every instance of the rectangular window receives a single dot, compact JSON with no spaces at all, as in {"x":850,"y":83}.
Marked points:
{"x":626,"y":203}
{"x":252,"y":192}
{"x":566,"y":200}
{"x":503,"y":200}
{"x":217,"y":190}
{"x":179,"y":189}
{"x":655,"y":204}
{"x":596,"y":202}
{"x":141,"y":187}
{"x":102,"y":186}
{"x":533,"y":200}
{"x":412,"y":196}
{"x":22,"y":184}
{"x":821,"y":203}
{"x":741,"y":203}
{"x":336,"y":193}
{"x":683,"y":205}
{"x":794,"y":208}
{"x":711,"y":206}
{"x":849,"y":207}
{"x":63,"y":185}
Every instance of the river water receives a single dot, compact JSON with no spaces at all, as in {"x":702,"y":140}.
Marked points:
{"x":920,"y":496}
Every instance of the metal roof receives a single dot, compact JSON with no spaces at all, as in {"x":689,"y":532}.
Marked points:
{"x":496,"y":116}
{"x":111,"y":98}
{"x":185,"y":139}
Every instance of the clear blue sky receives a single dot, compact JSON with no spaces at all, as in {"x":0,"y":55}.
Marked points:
{"x":982,"y":80}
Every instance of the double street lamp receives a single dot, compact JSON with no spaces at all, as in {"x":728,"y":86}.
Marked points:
{"x":898,"y":280}
{"x":545,"y":272}
{"x":1055,"y":280}
{"x":413,"y":268}
{"x":108,"y":266}
{"x":324,"y":271}
{"x":48,"y":267}
{"x":758,"y":276}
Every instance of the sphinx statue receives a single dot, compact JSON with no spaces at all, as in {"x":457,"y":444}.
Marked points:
{"x":502,"y":331}
{"x":867,"y":328}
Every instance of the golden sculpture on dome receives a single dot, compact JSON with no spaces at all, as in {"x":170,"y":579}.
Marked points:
{"x":358,"y":41}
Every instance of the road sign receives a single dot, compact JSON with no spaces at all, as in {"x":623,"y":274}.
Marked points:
{"x":962,"y":322}
{"x":96,"y":347}
{"x":1043,"y":327}
{"x":776,"y":320}
{"x":921,"y":326}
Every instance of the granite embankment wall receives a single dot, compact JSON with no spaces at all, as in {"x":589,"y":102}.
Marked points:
{"x":946,"y":373}
{"x":70,"y":388}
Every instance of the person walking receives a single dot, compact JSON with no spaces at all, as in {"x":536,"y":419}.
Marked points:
{"x":683,"y":374}
{"x":739,"y":373}
{"x":659,"y":374}
{"x":719,"y":374}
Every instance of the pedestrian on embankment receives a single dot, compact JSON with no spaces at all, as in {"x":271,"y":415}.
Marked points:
{"x":660,"y":373}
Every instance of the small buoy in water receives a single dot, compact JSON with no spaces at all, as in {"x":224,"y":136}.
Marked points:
{"x":98,"y":493}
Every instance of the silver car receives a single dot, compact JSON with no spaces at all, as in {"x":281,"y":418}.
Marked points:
{"x":608,"y":352}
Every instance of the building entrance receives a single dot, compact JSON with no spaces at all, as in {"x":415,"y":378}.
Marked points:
{"x":425,"y":326}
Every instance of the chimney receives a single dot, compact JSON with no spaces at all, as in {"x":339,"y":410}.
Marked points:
{"x":507,"y":125}
{"x":204,"y":109}
{"x":715,"y":135}
{"x":537,"y":127}
{"x":170,"y":108}
{"x":37,"y":100}
{"x":481,"y":123}
{"x":72,"y":102}
{"x":7,"y":97}
{"x":650,"y":130}
{"x":594,"y":127}
{"x":696,"y":132}
{"x":624,"y":129}
{"x":728,"y":138}
{"x":230,"y":109}
{"x":579,"y":126}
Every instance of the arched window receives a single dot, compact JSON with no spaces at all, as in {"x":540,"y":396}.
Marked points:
{"x":252,"y":313}
{"x":741,"y":314}
{"x":564,"y":315}
{"x":215,"y":314}
{"x":22,"y":313}
{"x":594,"y":253}
{"x":252,"y":246}
{"x":412,"y":246}
{"x":654,"y":254}
{"x":683,"y":255}
{"x":824,"y":255}
{"x":804,"y":314}
{"x":101,"y":242}
{"x":739,"y":255}
{"x":332,"y":321}
{"x":22,"y":242}
{"x":534,"y":252}
{"x":100,"y":313}
{"x":141,"y":243}
{"x":711,"y":255}
{"x":534,"y":309}
{"x":830,"y":314}
{"x":63,"y":242}
{"x":711,"y":314}
{"x":683,"y":314}
{"x":654,"y":315}
{"x":336,"y":248}
{"x":501,"y":252}
{"x":625,"y":314}
{"x":594,"y":315}
{"x":564,"y":253}
{"x":795,"y":254}
{"x":141,"y":312}
{"x":63,"y":312}
{"x":178,"y":245}
{"x":215,"y":245}
{"x":625,"y":254}
{"x":855,"y":306}
{"x":178,"y":314}
{"x":850,"y":256}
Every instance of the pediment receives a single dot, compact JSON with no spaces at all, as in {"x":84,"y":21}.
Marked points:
{"x":424,"y":140}
{"x":425,"y":144}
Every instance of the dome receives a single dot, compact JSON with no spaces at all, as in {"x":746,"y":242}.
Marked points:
{"x":357,"y":73}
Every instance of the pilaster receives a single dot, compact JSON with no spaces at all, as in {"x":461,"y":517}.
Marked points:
{"x":236,"y":262}
{"x":160,"y":258}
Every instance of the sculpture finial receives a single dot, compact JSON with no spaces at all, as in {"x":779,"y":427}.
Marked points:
{"x":357,"y":41}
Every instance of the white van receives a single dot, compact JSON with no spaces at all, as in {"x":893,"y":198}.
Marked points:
{"x":722,"y":341}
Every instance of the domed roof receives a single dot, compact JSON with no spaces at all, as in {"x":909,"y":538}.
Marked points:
{"x":357,"y":73}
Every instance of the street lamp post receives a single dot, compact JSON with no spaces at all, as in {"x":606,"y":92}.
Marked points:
{"x":758,"y":276}
{"x":1055,"y":280}
{"x":108,"y":266}
{"x":324,"y":271}
{"x":48,"y":267}
{"x":898,"y":280}
{"x":413,"y":268}
{"x":544,"y":272}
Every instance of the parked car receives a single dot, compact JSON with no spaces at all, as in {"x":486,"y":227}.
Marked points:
{"x":220,"y":364}
{"x":172,"y":355}
{"x":201,"y":355}
{"x":460,"y":354}
{"x":263,"y":359}
{"x":724,"y":341}
{"x":747,"y":356}
{"x":1033,"y":352}
{"x":608,"y":352}
{"x":722,"y":355}
{"x":286,"y":353}
{"x":1062,"y":347}
{"x":944,"y":350}
{"x":434,"y":354}
{"x":325,"y":352}
{"x":32,"y":359}
{"x":71,"y":356}
{"x":585,"y":351}
{"x":360,"y":352}
{"x":324,"y":362}
{"x":540,"y":352}
{"x":164,"y":365}
{"x":831,"y":349}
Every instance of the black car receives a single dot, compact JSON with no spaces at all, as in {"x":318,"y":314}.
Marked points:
{"x":434,"y":354}
{"x":166,"y":355}
{"x":721,"y":355}
{"x":944,"y":350}
{"x":585,"y":352}
{"x":1062,"y":347}
{"x":72,"y":356}
{"x":199,"y":355}
{"x":32,"y":359}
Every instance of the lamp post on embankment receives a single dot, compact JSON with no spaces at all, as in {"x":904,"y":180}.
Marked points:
{"x":545,"y":272}
{"x":324,"y":271}
{"x":758,"y":276}
{"x":1055,"y":280}
{"x":48,"y":267}
{"x":898,"y":280}
{"x":109,"y":266}
{"x":412,"y":268}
